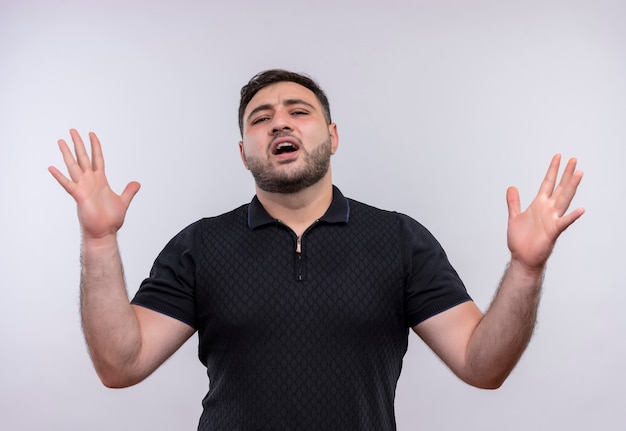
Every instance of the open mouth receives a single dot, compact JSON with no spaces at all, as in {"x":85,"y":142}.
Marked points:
{"x":285,"y":145}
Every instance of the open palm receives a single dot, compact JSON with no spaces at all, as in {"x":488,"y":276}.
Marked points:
{"x":532,"y":234}
{"x":101,"y":211}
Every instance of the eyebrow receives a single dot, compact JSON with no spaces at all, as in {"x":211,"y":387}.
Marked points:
{"x":286,"y":102}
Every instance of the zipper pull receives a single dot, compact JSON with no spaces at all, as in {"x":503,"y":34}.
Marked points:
{"x":299,"y":245}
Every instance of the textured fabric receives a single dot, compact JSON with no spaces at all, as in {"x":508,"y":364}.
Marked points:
{"x":302,"y":341}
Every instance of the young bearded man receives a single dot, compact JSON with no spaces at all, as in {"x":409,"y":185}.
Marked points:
{"x":303,"y":298}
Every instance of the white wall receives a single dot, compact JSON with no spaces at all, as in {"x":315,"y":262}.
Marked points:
{"x":441,"y":105}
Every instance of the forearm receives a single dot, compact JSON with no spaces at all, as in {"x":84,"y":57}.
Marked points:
{"x":504,"y":332}
{"x":109,"y":323}
{"x":482,"y":349}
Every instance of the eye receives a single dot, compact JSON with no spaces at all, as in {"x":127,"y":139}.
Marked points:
{"x":260,"y":119}
{"x":299,"y":112}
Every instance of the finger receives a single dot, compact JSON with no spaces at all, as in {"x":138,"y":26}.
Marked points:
{"x":70,"y":162}
{"x":129,"y":192}
{"x":79,"y":148}
{"x":65,"y":182}
{"x":549,"y":181}
{"x":97,"y":158}
{"x":513,"y":202}
{"x":567,"y":190}
{"x":568,"y":172}
{"x":567,"y":220}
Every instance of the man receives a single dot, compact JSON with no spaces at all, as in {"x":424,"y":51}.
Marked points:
{"x":303,"y":298}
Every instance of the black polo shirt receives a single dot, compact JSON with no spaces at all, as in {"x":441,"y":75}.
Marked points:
{"x":309,"y":340}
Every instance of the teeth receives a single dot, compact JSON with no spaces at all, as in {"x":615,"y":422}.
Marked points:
{"x":284,"y":147}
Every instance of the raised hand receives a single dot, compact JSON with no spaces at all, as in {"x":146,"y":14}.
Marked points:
{"x":101,"y":211}
{"x":532,"y":234}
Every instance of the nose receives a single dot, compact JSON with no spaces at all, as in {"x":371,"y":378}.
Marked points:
{"x":280,"y":122}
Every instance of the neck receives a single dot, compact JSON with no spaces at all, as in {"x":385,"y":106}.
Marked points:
{"x":299,"y":210}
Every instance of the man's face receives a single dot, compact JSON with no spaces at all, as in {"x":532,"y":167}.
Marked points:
{"x":287,"y":143}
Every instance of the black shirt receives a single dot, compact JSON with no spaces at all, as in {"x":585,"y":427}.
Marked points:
{"x":302,"y":341}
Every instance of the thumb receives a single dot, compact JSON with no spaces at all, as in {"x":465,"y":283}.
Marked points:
{"x":130,"y":191}
{"x":512,"y":201}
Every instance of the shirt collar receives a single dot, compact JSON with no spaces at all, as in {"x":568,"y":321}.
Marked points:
{"x":337,"y":212}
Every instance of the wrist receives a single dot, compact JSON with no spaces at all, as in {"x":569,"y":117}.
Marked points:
{"x":522,"y":270}
{"x":104,"y":242}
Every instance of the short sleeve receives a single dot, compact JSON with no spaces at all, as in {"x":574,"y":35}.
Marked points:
{"x":432,"y":284}
{"x":171,"y":285}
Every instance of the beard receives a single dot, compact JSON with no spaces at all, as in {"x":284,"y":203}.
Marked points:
{"x":315,"y":168}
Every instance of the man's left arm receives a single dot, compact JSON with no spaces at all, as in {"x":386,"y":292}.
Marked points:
{"x":482,"y":349}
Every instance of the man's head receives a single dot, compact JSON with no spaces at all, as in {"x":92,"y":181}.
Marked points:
{"x":269,"y":77}
{"x":287,"y":136}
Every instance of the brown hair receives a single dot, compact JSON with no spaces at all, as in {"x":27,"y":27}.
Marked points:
{"x":273,"y":76}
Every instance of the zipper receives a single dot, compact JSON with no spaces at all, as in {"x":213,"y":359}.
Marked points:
{"x":300,"y":264}
{"x":299,"y":239}
{"x":299,"y":244}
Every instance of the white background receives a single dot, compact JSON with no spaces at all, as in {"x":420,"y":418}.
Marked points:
{"x":441,"y":105}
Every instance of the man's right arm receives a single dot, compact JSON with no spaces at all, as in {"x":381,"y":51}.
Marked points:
{"x":127,"y":343}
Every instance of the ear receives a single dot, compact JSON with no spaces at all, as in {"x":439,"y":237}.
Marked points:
{"x":242,"y":154}
{"x":334,"y":137}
